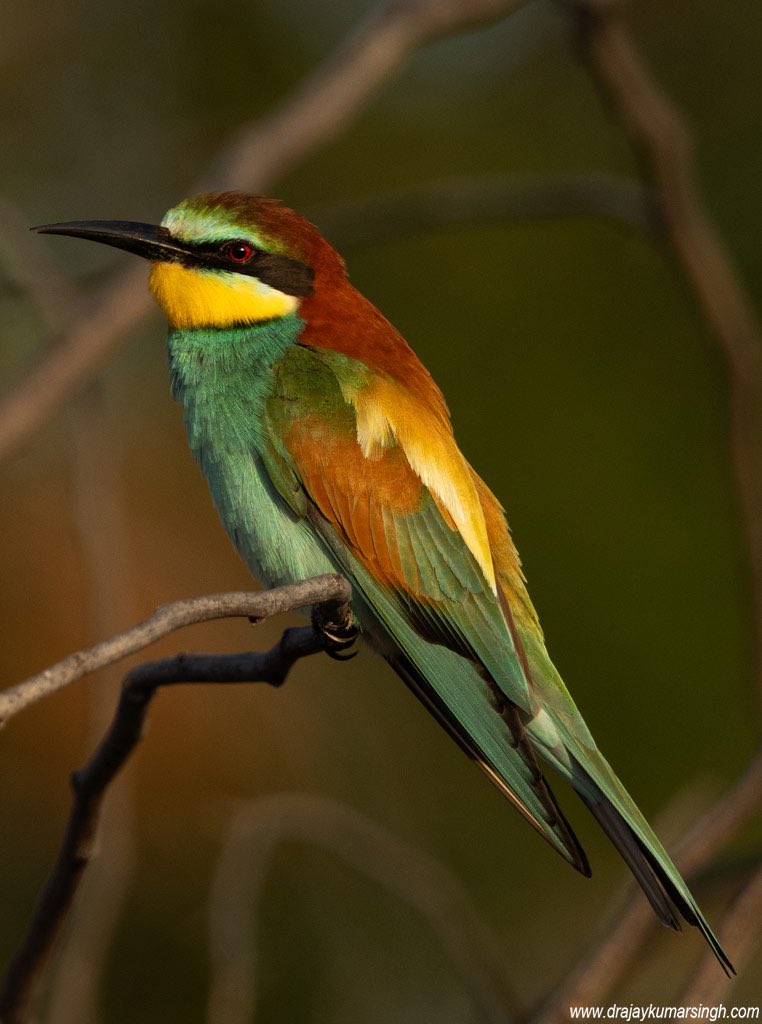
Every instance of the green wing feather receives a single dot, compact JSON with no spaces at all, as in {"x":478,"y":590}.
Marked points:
{"x":476,"y":659}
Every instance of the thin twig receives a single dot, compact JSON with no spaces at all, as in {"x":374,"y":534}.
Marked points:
{"x":662,"y":140}
{"x":320,"y":108}
{"x":166,"y":619}
{"x":604,"y":964}
{"x":91,"y":782}
{"x":259,"y":829}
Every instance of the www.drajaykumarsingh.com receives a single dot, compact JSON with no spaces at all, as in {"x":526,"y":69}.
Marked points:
{"x":652,"y":1011}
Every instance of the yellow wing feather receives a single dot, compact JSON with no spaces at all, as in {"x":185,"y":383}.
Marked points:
{"x":386,"y":413}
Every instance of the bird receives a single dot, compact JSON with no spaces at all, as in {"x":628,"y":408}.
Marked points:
{"x":328,"y":447}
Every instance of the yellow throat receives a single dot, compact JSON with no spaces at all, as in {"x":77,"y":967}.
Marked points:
{"x":210,"y":298}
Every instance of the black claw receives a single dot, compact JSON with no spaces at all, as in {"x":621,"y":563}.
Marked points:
{"x":339,"y":637}
{"x":338,"y":655}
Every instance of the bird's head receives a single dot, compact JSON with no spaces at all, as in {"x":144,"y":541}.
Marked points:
{"x":223,"y":259}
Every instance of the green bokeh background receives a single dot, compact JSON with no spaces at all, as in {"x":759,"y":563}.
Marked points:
{"x":583,"y":386}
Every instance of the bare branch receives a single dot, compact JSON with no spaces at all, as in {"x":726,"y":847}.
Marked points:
{"x":409,"y":874}
{"x":91,"y":782}
{"x":662,"y":139}
{"x":604,"y":964}
{"x":168,"y":618}
{"x":323,"y":106}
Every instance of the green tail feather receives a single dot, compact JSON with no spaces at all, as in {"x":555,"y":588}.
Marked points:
{"x":561,"y":736}
{"x":640,"y":847}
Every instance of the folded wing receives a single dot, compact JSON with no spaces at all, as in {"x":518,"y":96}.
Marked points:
{"x":414,"y":530}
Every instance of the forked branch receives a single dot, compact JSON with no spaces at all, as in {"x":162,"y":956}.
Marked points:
{"x":323,"y":590}
{"x":331,"y":631}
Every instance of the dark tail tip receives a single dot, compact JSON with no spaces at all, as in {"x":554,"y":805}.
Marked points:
{"x":663,"y":894}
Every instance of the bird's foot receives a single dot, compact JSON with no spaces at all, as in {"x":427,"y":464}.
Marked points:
{"x":339,"y":632}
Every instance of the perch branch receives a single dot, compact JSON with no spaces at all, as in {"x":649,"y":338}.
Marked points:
{"x":662,"y":140}
{"x":166,"y":619}
{"x":320,"y":108}
{"x":330,"y":593}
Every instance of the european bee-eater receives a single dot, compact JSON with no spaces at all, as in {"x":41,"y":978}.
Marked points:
{"x":328,"y":447}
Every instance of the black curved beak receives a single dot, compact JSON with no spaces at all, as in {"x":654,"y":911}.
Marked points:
{"x":150,"y":241}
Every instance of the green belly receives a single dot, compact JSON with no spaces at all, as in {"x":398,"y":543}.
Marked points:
{"x":277,"y":546}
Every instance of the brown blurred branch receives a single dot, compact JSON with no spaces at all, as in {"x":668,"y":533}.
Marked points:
{"x":317,"y":112}
{"x":322,"y":106}
{"x":28,"y":267}
{"x":98,"y":324}
{"x":325,"y":103}
{"x":604,"y":964}
{"x":439,"y":205}
{"x":101,"y":532}
{"x":331,"y":614}
{"x":100,"y":522}
{"x":661,"y":138}
{"x":75,"y":354}
{"x":166,"y":619}
{"x":740,"y":931}
{"x":409,"y":874}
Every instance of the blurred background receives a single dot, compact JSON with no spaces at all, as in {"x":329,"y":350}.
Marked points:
{"x":584,"y":387}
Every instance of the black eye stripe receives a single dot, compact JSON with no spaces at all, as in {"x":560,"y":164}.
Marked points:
{"x":287,"y":275}
{"x":281,"y":272}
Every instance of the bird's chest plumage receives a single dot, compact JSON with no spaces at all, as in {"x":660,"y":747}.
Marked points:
{"x":224,"y":380}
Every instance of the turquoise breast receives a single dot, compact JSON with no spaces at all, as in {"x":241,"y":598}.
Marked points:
{"x":223,"y":379}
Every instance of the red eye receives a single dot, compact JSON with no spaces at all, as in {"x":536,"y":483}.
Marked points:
{"x":239,"y":252}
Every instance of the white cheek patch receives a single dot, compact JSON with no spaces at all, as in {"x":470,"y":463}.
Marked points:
{"x":259,"y":288}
